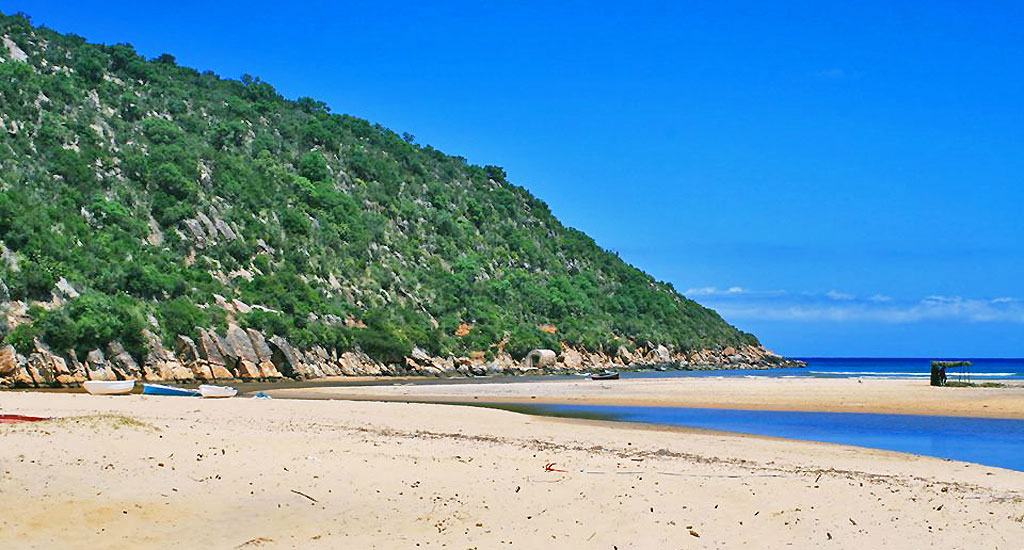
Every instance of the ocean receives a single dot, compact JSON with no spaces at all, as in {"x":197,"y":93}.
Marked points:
{"x":981,"y":370}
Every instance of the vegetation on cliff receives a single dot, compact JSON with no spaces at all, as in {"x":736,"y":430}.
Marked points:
{"x":157,"y":192}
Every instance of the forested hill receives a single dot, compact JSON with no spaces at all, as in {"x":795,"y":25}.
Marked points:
{"x":140,"y":194}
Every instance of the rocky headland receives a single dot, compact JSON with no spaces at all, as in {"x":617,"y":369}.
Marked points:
{"x":247,"y":354}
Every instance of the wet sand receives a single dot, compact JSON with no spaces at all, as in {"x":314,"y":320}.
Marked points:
{"x":151,"y":472}
{"x":883,"y":396}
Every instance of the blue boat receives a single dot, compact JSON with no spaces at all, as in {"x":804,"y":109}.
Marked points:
{"x":158,"y":389}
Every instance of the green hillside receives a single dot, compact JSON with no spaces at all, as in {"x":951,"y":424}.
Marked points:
{"x":152,"y":189}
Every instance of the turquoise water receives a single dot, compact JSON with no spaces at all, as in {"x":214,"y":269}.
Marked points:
{"x":992,"y":442}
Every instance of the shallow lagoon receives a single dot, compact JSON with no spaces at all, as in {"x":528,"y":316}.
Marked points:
{"x":992,"y":442}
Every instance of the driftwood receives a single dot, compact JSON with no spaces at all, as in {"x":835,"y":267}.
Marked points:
{"x":300,"y":493}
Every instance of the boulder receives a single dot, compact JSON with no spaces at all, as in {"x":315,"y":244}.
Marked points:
{"x":45,"y":367}
{"x":288,"y":361}
{"x":21,"y":377}
{"x":246,"y":370}
{"x":263,"y":352}
{"x":188,"y":353}
{"x":65,"y":289}
{"x":419,"y":355}
{"x":224,"y":229}
{"x":39,"y":369}
{"x":208,"y":348}
{"x":571,"y":359}
{"x":76,"y":366}
{"x":237,"y":345}
{"x":160,"y":364}
{"x":539,"y":358}
{"x":501,"y":363}
{"x":97,"y":366}
{"x":661,"y":355}
{"x":218,"y":354}
{"x":624,"y":354}
{"x":195,"y":232}
{"x":123,"y":363}
{"x":220,"y":372}
{"x":10,"y":361}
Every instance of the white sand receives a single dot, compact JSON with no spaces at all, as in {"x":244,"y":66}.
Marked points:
{"x":190,"y":473}
{"x":803,"y":394}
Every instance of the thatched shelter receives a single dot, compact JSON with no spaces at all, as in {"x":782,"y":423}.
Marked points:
{"x":938,"y":377}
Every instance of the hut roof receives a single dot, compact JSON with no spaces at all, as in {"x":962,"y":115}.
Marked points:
{"x":951,"y":364}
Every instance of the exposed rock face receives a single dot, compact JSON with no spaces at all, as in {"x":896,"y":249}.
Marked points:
{"x":263,"y":354}
{"x":13,"y":371}
{"x":45,"y":367}
{"x":160,"y":364}
{"x":287,"y":360}
{"x":209,"y":347}
{"x":8,"y":361}
{"x":248,"y":354}
{"x":572,"y":359}
{"x":97,"y":366}
{"x":237,"y":348}
{"x":123,"y":363}
{"x":65,"y":289}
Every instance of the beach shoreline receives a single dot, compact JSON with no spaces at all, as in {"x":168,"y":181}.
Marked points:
{"x":846,"y":395}
{"x":138,"y":471}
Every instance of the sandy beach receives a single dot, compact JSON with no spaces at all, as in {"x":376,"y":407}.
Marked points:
{"x":146,"y":472}
{"x":886,"y":396}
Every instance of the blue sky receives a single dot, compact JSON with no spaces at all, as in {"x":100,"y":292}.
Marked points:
{"x":837,"y":180}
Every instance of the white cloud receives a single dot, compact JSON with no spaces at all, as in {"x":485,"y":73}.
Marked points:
{"x":836,"y":295}
{"x":838,"y":306}
{"x":731,"y":291}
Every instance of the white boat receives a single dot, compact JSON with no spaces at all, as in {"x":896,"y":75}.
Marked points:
{"x":217,"y":391}
{"x":113,"y":387}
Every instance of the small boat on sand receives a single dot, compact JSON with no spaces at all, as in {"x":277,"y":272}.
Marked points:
{"x":217,"y":391}
{"x":112,"y":387}
{"x":16,"y":418}
{"x":160,"y":389}
{"x":605,"y":375}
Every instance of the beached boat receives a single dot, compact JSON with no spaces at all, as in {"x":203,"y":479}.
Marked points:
{"x":217,"y":391}
{"x":16,"y":418}
{"x":104,"y":387}
{"x":606,"y":375}
{"x":160,"y":389}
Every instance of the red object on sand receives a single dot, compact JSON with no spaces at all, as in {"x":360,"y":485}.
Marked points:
{"x":550,"y":467}
{"x":15,"y":418}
